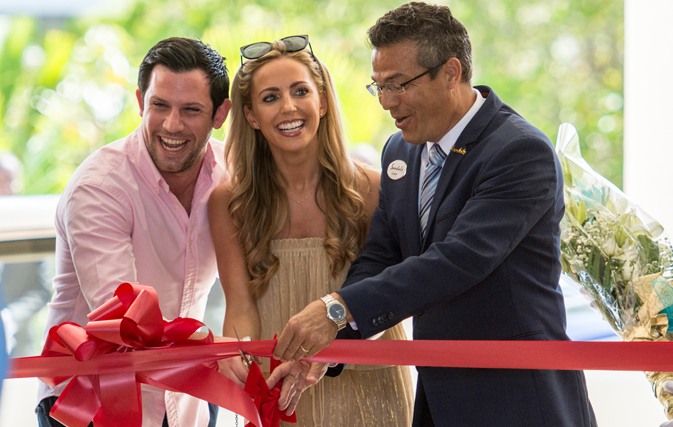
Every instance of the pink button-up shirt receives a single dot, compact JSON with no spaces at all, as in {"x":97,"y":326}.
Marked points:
{"x":117,"y":221}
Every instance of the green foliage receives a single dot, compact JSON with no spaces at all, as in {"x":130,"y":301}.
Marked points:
{"x":67,"y":88}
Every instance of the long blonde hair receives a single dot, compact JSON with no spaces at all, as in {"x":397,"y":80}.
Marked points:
{"x":258,"y":205}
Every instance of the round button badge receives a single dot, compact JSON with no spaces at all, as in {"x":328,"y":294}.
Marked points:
{"x":397,"y":169}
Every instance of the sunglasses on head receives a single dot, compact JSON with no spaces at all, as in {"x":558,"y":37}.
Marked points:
{"x":259,"y":49}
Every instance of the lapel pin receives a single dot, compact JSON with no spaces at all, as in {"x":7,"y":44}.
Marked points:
{"x":459,"y":151}
{"x":397,"y":169}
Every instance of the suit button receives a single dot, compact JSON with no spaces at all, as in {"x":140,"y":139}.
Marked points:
{"x":375,"y":322}
{"x":390,"y":315}
{"x":382,"y":319}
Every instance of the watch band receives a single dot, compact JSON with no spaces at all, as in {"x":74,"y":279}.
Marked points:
{"x":329,"y":301}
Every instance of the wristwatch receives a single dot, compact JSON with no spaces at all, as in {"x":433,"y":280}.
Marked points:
{"x":336,"y":311}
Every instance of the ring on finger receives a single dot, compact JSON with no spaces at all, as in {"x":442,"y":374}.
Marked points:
{"x":303,"y":349}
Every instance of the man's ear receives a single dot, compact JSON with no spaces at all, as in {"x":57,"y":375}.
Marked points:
{"x":250,"y":117}
{"x":453,"y":71}
{"x":221,"y":114}
{"x":139,"y":97}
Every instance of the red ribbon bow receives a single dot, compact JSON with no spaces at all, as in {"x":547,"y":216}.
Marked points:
{"x":266,"y":400}
{"x":132,"y":321}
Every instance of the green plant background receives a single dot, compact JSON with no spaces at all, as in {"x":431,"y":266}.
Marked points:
{"x":67,"y":85}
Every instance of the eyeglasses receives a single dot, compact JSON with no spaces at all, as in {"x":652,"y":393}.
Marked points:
{"x":396,"y":88}
{"x":259,"y":49}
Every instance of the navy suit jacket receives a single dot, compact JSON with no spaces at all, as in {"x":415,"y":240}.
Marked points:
{"x":488,"y":270}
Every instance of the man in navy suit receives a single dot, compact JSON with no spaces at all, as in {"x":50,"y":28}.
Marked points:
{"x":465,"y":238}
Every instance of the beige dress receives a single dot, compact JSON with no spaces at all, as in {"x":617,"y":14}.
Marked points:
{"x":363,"y":395}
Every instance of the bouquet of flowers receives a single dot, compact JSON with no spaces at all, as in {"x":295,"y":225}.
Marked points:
{"x":618,"y":254}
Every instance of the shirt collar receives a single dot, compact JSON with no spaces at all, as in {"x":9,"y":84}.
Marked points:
{"x":448,"y":140}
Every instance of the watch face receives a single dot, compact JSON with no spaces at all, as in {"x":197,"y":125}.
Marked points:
{"x":337,"y":312}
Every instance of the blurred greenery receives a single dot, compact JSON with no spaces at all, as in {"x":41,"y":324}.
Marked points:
{"x":67,"y":85}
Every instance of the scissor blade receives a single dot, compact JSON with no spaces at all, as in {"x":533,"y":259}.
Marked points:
{"x":246,"y":358}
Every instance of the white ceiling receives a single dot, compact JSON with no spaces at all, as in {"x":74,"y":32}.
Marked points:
{"x":62,"y":8}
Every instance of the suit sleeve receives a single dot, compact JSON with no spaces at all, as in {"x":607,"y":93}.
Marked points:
{"x":516,"y":187}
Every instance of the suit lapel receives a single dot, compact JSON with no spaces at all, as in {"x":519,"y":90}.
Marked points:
{"x":461,"y":149}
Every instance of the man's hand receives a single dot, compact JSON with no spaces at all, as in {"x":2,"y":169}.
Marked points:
{"x":234,"y":369}
{"x":297,"y":377}
{"x":306,"y":333}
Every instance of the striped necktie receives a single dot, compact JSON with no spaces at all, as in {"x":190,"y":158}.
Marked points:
{"x":432,"y":171}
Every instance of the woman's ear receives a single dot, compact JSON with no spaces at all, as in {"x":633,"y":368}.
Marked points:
{"x":250,"y":117}
{"x":323,"y":104}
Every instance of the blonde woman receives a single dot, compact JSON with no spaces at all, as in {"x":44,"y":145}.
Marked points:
{"x":293,"y":217}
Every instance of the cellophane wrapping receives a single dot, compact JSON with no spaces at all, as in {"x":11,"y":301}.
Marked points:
{"x":619,"y":256}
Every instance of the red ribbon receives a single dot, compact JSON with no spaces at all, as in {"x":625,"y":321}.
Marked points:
{"x":559,"y":355}
{"x":266,"y":400}
{"x":130,"y":321}
{"x":108,"y":370}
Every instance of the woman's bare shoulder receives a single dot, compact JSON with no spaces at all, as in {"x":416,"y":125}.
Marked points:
{"x":221,"y":193}
{"x":374,"y":176}
{"x":218,"y":204}
{"x":370,"y":180}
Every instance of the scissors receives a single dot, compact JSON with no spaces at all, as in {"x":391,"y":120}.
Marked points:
{"x":247,"y":359}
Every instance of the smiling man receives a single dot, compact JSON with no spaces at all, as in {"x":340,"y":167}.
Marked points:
{"x":465,"y":238}
{"x":136,"y":211}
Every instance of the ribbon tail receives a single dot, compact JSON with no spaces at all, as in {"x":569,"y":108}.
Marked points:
{"x":211,"y":386}
{"x":78,"y":404}
{"x":120,"y":401}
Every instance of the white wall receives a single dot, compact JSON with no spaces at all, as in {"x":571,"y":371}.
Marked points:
{"x":648,"y":112}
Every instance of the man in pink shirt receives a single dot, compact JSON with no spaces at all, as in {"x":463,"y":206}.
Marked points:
{"x":136,"y":211}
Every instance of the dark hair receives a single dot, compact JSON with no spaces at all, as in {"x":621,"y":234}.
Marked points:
{"x":181,"y":55}
{"x":437,"y":34}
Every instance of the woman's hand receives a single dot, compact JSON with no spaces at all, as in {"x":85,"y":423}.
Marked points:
{"x":234,"y":369}
{"x":297,"y":377}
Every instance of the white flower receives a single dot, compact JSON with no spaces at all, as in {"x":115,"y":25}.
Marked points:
{"x":610,"y":246}
{"x":627,"y":270}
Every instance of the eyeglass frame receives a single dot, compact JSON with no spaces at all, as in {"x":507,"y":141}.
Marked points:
{"x":376,"y":89}
{"x":270,"y":45}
